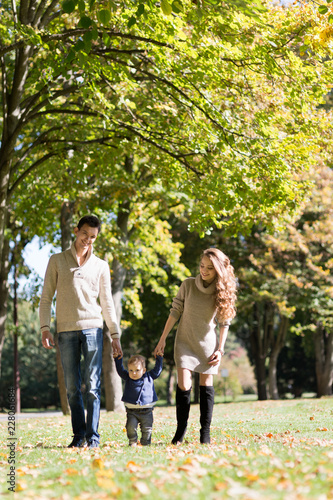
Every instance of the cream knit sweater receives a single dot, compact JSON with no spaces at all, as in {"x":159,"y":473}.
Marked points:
{"x":78,"y":288}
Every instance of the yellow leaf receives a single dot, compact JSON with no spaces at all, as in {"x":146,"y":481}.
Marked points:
{"x":97,"y":463}
{"x":105,"y":473}
{"x":71,"y":472}
{"x":132,"y":466}
{"x":252,"y":477}
{"x":21,"y":486}
{"x":220,"y":486}
{"x":108,"y":484}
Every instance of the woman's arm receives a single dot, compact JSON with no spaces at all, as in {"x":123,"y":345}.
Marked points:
{"x":170,"y":323}
{"x":216,"y":357}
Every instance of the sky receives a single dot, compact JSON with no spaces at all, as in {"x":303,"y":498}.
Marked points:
{"x":37,"y":258}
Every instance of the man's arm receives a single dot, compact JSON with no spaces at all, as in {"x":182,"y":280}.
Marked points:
{"x":49,"y":288}
{"x":47,"y":339}
{"x":109,"y":311}
{"x":116,"y":347}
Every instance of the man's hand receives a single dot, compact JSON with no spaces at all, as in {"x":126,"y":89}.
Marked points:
{"x":116,"y":347}
{"x":47,"y":339}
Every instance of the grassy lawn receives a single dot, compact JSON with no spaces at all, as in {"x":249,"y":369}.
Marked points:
{"x":272,"y":449}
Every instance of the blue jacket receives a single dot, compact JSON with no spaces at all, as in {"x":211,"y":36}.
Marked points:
{"x":141,"y":391}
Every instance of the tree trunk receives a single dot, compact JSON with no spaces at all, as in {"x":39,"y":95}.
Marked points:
{"x":276,"y":348}
{"x":323,"y":343}
{"x":196,"y":388}
{"x":171,"y":384}
{"x":112,"y":381}
{"x":4,"y":292}
{"x":259,"y":355}
{"x":66,"y":221}
{"x":4,"y":184}
{"x":16,"y":351}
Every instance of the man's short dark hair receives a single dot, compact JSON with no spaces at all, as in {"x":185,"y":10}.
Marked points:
{"x":91,"y":220}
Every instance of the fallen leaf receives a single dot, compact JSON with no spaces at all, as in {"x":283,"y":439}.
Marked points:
{"x":71,"y":472}
{"x":132,"y":466}
{"x":108,"y":484}
{"x":97,"y":463}
{"x":142,"y":487}
{"x":21,"y":486}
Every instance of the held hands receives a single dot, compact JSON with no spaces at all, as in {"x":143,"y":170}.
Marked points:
{"x":117,"y":350}
{"x":159,"y":349}
{"x":215,"y":359}
{"x":47,"y":340}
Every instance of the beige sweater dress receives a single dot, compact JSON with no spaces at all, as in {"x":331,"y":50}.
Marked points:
{"x":196,"y":337}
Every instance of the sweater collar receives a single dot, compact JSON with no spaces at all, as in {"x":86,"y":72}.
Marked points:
{"x":210,"y":288}
{"x":73,"y":249}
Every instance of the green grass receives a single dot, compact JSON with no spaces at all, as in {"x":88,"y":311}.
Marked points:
{"x":272,"y":449}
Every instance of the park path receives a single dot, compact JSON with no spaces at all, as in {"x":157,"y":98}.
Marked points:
{"x":23,"y":416}
{"x":35,"y":414}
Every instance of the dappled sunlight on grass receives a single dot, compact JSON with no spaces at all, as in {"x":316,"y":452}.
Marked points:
{"x":272,"y":449}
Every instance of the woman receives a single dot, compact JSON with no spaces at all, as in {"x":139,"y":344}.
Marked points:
{"x":202,"y":303}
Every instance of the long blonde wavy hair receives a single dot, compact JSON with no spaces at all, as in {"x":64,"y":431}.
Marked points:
{"x":226,"y":284}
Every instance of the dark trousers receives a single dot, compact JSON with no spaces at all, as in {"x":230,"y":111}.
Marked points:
{"x":142,"y":417}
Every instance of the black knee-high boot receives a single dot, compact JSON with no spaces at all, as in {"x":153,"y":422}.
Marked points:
{"x":206,"y":412}
{"x":183,"y":403}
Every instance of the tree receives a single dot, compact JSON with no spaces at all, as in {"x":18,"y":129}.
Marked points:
{"x":53,"y":69}
{"x":187,"y":92}
{"x":292,"y":268}
{"x":38,"y":379}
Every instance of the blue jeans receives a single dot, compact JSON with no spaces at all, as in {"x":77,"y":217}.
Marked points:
{"x":90,"y":343}
{"x":144,"y":417}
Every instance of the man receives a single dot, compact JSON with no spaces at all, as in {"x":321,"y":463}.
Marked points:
{"x":79,"y":278}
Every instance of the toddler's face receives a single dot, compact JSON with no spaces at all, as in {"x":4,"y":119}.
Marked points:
{"x":136,"y":370}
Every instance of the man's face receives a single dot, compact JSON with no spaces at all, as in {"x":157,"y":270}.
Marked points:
{"x":136,"y":370}
{"x":85,"y":237}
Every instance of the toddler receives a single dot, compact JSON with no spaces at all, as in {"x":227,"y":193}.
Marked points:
{"x":139,"y":396}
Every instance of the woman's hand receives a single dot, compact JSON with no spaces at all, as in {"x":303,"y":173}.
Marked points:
{"x":215,"y":359}
{"x":159,"y":349}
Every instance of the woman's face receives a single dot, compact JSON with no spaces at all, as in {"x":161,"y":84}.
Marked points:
{"x":207,"y":269}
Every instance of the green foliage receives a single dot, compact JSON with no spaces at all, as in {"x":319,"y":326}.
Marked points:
{"x":210,"y":97}
{"x":37,"y":366}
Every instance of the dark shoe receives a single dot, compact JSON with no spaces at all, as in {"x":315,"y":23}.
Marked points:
{"x":92,"y":443}
{"x":78,"y":442}
{"x":183,"y":403}
{"x":206,"y":412}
